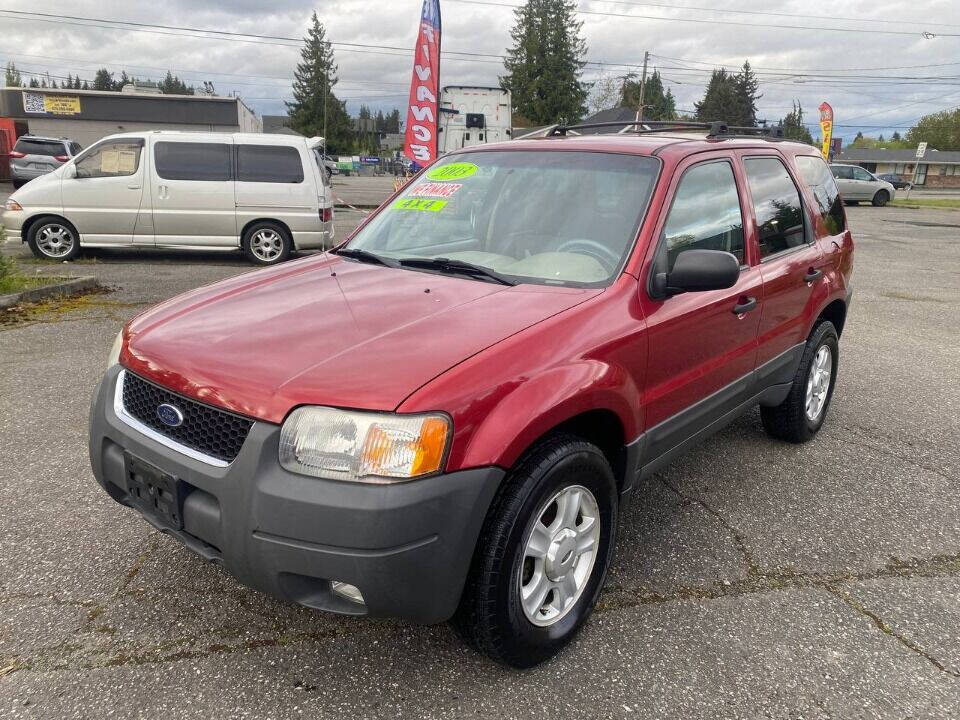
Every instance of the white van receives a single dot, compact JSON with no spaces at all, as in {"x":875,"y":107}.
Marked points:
{"x":265,"y":194}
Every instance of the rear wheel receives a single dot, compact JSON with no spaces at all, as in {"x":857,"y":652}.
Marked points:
{"x":543,"y":554}
{"x":53,"y":238}
{"x":266,"y":243}
{"x":17,"y":184}
{"x":798,"y":418}
{"x":881,"y":198}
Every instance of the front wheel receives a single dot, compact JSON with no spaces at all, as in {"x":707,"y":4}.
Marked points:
{"x":798,"y":418}
{"x":52,"y":238}
{"x":881,"y":198}
{"x":266,"y":243}
{"x":543,"y":554}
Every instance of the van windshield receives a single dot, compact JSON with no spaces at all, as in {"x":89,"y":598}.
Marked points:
{"x":557,"y":217}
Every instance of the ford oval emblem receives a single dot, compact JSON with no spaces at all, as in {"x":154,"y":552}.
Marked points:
{"x":170,"y":415}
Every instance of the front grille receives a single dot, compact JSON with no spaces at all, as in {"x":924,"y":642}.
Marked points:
{"x":206,"y":429}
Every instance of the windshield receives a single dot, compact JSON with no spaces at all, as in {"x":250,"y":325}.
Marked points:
{"x":567,"y":218}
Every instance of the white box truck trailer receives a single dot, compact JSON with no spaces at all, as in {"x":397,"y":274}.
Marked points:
{"x":473,"y":116}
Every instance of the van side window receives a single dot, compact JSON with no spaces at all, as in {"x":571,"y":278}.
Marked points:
{"x":776,"y":204}
{"x":269,"y":163}
{"x":111,"y":159}
{"x":817,"y":176}
{"x":705,"y":214}
{"x":192,"y":161}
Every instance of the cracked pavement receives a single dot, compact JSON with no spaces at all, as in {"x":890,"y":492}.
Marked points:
{"x":753,"y":579}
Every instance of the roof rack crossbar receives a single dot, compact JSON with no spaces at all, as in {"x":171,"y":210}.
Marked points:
{"x":716,"y":128}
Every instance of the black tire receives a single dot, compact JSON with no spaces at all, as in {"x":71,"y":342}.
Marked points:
{"x":881,"y":198}
{"x":17,"y":184}
{"x":789,"y":420}
{"x":266,"y":243}
{"x":42,"y":247}
{"x":851,"y":202}
{"x":490,"y":617}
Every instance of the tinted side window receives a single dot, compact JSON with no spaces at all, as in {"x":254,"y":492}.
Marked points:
{"x":817,"y":176}
{"x":112,"y":159}
{"x":705,"y":213}
{"x":39,"y":147}
{"x":861,"y":174}
{"x":76,"y":148}
{"x":843,"y":172}
{"x":269,"y":163}
{"x":776,"y":203}
{"x":192,"y":161}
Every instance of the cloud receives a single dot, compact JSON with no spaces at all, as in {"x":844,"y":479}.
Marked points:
{"x":683,"y":52}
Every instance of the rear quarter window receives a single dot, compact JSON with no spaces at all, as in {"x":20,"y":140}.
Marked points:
{"x":269,"y":163}
{"x":817,"y":176}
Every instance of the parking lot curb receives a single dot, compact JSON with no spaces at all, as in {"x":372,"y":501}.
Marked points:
{"x":71,"y":286}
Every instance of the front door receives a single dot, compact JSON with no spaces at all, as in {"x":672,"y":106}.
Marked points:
{"x":702,"y":345}
{"x":103,"y":199}
{"x":192,"y":189}
{"x":790,"y":258}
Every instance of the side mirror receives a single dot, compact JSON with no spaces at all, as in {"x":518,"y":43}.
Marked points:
{"x":697,"y":271}
{"x":69,"y":172}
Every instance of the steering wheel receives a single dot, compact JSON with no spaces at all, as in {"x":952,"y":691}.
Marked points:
{"x":598,"y":251}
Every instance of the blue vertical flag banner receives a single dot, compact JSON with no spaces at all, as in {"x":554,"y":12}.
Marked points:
{"x":420,"y":142}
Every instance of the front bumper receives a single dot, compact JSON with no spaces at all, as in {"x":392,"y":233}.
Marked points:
{"x":12,"y":221}
{"x":406,"y":546}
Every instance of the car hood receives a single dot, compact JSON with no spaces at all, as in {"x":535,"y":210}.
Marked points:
{"x":327,"y":331}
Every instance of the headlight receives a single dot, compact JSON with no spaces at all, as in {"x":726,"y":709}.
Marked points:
{"x":362,"y":446}
{"x":114,"y":357}
{"x":12,"y":205}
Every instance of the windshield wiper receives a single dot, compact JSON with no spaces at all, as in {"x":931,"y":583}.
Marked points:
{"x":365,"y":256}
{"x":455,"y":267}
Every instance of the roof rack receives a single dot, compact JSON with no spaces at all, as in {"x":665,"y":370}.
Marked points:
{"x":715,"y":129}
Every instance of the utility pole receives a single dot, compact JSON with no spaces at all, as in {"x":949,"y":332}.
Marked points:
{"x":643,"y":83}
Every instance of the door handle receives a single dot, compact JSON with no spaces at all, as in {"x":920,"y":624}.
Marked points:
{"x":134,"y":187}
{"x":746,"y":306}
{"x":812,"y":274}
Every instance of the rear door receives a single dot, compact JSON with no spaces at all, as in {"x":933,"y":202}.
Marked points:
{"x":702,"y":345}
{"x":103,"y":200}
{"x":844,"y":177}
{"x":277,"y":181}
{"x":791,"y":261}
{"x":192,"y":191}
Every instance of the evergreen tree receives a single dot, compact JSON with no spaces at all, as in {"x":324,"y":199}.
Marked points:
{"x":12,"y":76}
{"x":658,"y":105}
{"x":103,"y":80}
{"x":381,"y":122}
{"x":793,"y":126}
{"x":124,"y":80}
{"x":34,"y":83}
{"x":720,"y":101}
{"x":173,"y":85}
{"x":313,"y":97}
{"x":86,"y":85}
{"x":393,"y":121}
{"x":544,"y":66}
{"x":895,"y":137}
{"x":747,"y":87}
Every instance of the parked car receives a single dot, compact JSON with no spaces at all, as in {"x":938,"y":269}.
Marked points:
{"x":446,"y":416}
{"x":857,"y":184}
{"x":33,"y":156}
{"x":263,"y":194}
{"x":329,"y":164}
{"x":898,"y":181}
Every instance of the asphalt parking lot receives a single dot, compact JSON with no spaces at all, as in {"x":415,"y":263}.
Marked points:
{"x":753,"y":579}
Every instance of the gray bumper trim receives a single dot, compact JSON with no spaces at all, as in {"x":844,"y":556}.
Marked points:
{"x":407,"y":547}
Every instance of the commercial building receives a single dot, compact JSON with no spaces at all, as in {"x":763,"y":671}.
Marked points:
{"x":88,"y":115}
{"x":936,"y":168}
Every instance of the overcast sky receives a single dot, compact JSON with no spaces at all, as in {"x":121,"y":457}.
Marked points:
{"x":686,"y":41}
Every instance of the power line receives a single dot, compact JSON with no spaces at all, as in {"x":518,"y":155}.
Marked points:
{"x":819,"y":18}
{"x":704,"y":21}
{"x":715,"y":63}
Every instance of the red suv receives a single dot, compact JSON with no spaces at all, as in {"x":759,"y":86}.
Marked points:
{"x":445,"y":416}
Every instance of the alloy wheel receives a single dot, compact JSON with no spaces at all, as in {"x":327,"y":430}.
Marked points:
{"x":818,"y":383}
{"x":266,"y":244}
{"x":55,"y":240}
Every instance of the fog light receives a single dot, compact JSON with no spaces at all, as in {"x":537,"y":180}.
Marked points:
{"x":345,"y":590}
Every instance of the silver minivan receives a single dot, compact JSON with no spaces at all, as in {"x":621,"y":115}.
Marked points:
{"x":857,"y":184}
{"x":264,"y":194}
